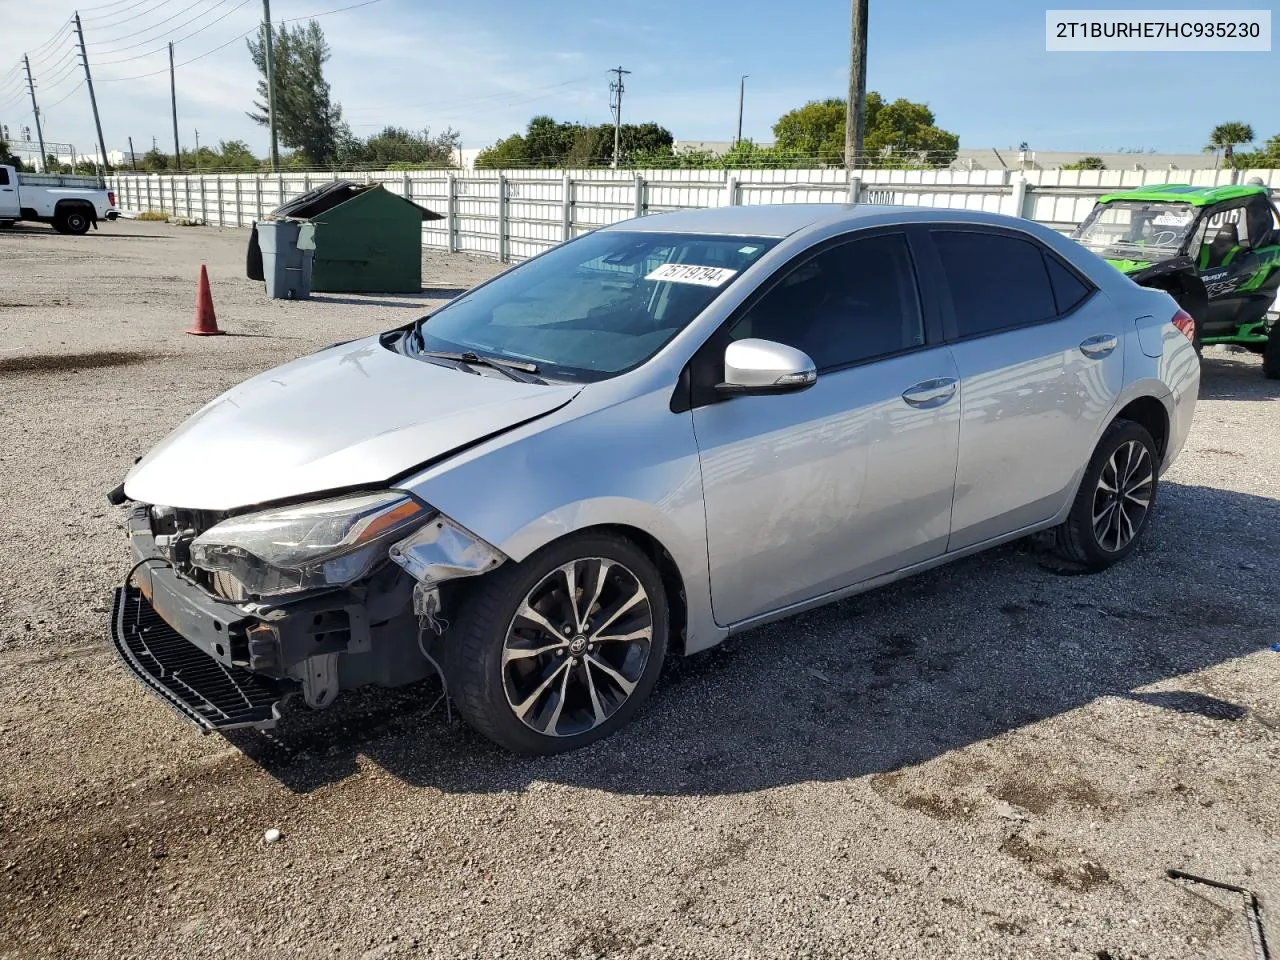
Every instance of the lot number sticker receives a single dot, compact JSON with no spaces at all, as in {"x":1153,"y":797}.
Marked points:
{"x":690,"y":273}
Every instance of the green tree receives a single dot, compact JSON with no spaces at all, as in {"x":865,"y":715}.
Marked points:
{"x":898,"y":134}
{"x":397,"y":148}
{"x":308,"y":120}
{"x":904,"y":134}
{"x":509,"y":152}
{"x":1226,"y":137}
{"x":234,"y":155}
{"x":1268,"y":158}
{"x":1085,"y":163}
{"x":817,"y":129}
{"x":547,"y":142}
{"x":154,"y":161}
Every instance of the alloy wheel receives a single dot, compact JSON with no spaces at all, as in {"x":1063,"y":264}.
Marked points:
{"x":577,"y":647}
{"x":1123,"y":496}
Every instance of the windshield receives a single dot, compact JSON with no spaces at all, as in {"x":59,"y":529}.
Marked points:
{"x":1136,"y":230}
{"x":594,"y":307}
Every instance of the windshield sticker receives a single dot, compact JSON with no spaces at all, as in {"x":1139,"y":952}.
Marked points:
{"x":691,"y":273}
{"x":748,"y":250}
{"x":1172,"y":220}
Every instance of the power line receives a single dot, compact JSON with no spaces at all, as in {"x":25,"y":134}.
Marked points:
{"x":495,"y":96}
{"x":221,"y":46}
{"x":155,"y":26}
{"x":207,"y":53}
{"x":56,"y":65}
{"x":316,"y":16}
{"x":57,"y":36}
{"x":61,"y":72}
{"x":104,"y":6}
{"x":73,"y":90}
{"x":112,"y":22}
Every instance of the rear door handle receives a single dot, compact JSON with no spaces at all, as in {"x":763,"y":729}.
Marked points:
{"x":1099,"y":346}
{"x":930,"y":393}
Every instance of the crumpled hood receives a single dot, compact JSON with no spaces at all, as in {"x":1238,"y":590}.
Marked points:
{"x":347,"y":416}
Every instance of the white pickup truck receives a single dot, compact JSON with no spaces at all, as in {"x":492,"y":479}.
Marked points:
{"x":70,"y":204}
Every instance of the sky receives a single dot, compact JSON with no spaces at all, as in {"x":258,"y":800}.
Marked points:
{"x":485,"y":67}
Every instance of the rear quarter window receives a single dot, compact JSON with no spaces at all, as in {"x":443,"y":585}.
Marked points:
{"x":1069,"y":291}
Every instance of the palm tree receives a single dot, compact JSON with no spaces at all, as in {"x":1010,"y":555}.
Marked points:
{"x":1226,"y":136}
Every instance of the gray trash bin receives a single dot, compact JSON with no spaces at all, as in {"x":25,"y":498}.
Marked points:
{"x":285,"y":267}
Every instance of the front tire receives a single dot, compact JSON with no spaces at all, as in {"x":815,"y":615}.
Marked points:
{"x":560,"y":650}
{"x":1115,"y":499}
{"x":1271,"y":354}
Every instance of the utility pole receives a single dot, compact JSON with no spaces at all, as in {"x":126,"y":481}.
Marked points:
{"x":616,"y":89}
{"x":133,"y":157}
{"x":855,"y":115}
{"x":173,"y":99}
{"x":93,"y":101}
{"x":197,"y":151}
{"x":742,"y":86}
{"x":268,"y":49}
{"x":35,"y":108}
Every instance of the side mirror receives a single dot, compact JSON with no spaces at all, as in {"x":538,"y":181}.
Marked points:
{"x":763,"y":366}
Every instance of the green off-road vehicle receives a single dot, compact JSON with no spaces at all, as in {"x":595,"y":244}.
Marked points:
{"x":1216,"y":250}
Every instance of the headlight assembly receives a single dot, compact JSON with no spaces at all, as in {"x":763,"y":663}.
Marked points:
{"x":329,"y":543}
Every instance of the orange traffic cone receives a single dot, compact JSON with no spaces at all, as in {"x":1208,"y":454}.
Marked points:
{"x":206,"y":324}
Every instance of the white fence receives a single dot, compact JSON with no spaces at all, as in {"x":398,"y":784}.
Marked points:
{"x":512,"y":215}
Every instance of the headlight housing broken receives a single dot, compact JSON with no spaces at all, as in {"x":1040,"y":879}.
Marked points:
{"x":310,"y":546}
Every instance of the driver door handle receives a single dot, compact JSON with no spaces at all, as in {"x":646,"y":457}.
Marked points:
{"x":1099,"y":346}
{"x":930,"y":393}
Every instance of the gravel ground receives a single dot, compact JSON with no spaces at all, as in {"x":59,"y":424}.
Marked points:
{"x":990,"y":760}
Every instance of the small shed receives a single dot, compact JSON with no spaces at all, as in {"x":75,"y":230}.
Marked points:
{"x":367,"y":239}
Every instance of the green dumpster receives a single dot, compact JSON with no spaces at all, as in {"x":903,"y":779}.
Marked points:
{"x":365,"y":239}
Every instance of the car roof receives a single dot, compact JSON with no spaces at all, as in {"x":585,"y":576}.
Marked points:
{"x":785,"y":219}
{"x":1185,"y":193}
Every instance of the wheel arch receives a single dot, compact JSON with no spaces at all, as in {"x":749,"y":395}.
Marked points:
{"x":684,"y":579}
{"x":72,"y":203}
{"x":672,"y":579}
{"x":1151,"y":413}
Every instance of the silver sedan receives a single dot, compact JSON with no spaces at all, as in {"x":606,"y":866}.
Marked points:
{"x":646,"y":439}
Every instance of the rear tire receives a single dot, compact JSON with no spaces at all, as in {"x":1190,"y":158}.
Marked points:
{"x":1271,"y":354}
{"x":1115,"y":499}
{"x":75,"y":221}
{"x":525,"y":683}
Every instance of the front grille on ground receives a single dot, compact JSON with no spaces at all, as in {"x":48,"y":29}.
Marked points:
{"x":210,"y":694}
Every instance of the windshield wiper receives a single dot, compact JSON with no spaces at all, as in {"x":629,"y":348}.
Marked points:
{"x":503,"y":366}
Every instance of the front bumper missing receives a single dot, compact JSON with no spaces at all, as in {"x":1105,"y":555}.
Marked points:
{"x":211,"y":694}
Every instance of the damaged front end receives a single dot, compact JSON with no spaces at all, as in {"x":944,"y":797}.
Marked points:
{"x":227,"y":615}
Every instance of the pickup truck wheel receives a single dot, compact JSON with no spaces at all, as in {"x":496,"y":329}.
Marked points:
{"x":1115,"y":499}
{"x":1271,"y":354}
{"x":560,"y":650}
{"x":76,"y":221}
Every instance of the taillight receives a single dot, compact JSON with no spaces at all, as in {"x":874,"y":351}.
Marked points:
{"x":111,"y":197}
{"x":1186,"y":323}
